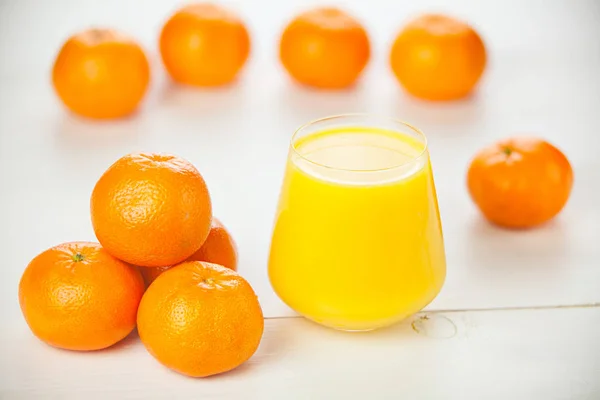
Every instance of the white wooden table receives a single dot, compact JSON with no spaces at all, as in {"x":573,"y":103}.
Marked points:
{"x":519,"y":316}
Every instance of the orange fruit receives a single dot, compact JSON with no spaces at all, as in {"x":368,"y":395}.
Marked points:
{"x":101,"y":73}
{"x":436,"y":57}
{"x":200,"y":319}
{"x":151,"y":273}
{"x":219,"y":248}
{"x":325,"y":48}
{"x":520,"y":182}
{"x":204,"y":44}
{"x":76,"y":296}
{"x":151,"y":209}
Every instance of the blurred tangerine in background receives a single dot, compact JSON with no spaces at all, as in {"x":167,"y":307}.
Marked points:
{"x":325,"y":48}
{"x":101,"y":73}
{"x":204,"y":44}
{"x":219,"y":248}
{"x":520,"y":182}
{"x":436,"y":57}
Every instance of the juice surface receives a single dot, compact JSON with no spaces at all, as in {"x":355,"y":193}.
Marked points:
{"x":357,"y":241}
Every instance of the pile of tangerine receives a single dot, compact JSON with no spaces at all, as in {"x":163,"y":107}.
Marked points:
{"x":152,"y":215}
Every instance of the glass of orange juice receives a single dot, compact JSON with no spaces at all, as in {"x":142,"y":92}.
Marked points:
{"x":357,"y":241}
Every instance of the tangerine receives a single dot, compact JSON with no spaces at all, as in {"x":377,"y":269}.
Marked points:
{"x":151,"y":209}
{"x":437,"y":57}
{"x":200,"y":319}
{"x":77,"y":296}
{"x":520,"y":182}
{"x":219,"y":248}
{"x":324,"y":48}
{"x":101,"y":73}
{"x":204,"y":44}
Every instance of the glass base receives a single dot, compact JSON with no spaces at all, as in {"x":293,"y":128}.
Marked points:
{"x":350,"y":330}
{"x":353,"y":330}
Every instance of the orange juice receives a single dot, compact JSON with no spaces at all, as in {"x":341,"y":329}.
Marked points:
{"x":357,"y":241}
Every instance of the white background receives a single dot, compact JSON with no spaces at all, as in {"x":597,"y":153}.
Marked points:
{"x":542,"y":79}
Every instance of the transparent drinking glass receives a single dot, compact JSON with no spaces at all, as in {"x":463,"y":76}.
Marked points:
{"x":357,"y":241}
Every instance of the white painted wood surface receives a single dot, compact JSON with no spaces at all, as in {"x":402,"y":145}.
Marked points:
{"x":494,"y":355}
{"x":542,"y":79}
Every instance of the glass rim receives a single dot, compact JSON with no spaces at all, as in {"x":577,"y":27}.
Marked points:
{"x":385,"y":118}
